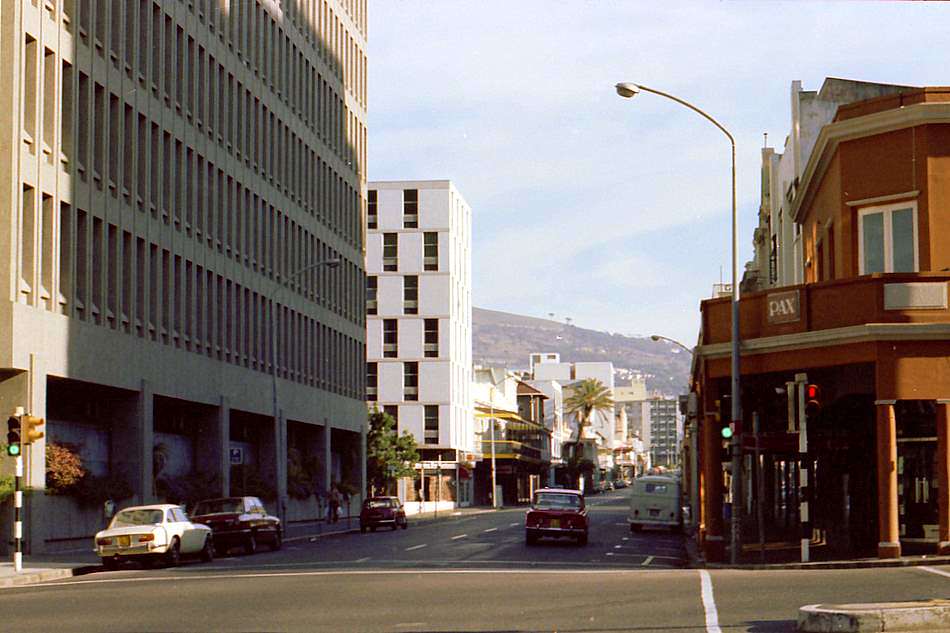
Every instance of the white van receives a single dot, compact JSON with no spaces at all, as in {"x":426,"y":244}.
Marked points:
{"x":655,"y":501}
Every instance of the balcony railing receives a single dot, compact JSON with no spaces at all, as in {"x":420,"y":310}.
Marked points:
{"x":509,"y":447}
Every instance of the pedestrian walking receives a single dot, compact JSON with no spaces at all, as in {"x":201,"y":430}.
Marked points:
{"x":334,"y":515}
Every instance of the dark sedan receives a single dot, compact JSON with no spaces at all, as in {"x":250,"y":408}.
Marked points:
{"x":239,"y":522}
{"x":379,"y":511}
{"x":557,"y":512}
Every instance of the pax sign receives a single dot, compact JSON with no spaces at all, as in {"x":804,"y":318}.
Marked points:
{"x":783,"y":307}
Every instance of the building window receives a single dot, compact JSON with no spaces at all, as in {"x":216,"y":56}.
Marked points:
{"x":431,"y":338}
{"x":371,"y":291}
{"x":431,"y":251}
{"x":390,"y":251}
{"x":431,"y":424}
{"x":410,"y":294}
{"x":392,"y":411}
{"x":372,"y":219}
{"x":888,"y":239}
{"x":390,"y":338}
{"x":410,"y":373}
{"x":372,"y":381}
{"x":410,"y":208}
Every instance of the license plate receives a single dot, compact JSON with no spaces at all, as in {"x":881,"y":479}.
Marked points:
{"x":654,"y":513}
{"x":555,"y":523}
{"x":124,"y":541}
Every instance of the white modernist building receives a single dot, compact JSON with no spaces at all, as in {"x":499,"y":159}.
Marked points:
{"x":419,"y":325}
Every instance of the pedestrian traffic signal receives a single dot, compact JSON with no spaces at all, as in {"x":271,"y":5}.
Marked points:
{"x":13,"y":436}
{"x":31,"y":431}
{"x":812,"y":400}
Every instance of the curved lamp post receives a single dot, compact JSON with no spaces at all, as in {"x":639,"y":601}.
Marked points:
{"x":278,"y":434}
{"x":630,"y":90}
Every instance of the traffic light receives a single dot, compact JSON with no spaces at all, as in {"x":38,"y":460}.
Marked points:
{"x":13,"y":436}
{"x":724,"y":417}
{"x":31,"y":431}
{"x":812,"y":400}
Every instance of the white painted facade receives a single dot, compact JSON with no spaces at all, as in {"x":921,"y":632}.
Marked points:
{"x":444,"y":297}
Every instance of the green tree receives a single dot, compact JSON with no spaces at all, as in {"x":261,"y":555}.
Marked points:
{"x":588,"y":396}
{"x":389,"y":455}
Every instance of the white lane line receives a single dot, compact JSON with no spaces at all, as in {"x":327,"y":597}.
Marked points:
{"x":642,"y":555}
{"x":458,"y":536}
{"x":709,"y":604}
{"x":647,"y":562}
{"x":490,"y":530}
{"x":514,"y":524}
{"x":939,"y":572}
{"x":617,"y":546}
{"x":362,"y":560}
{"x":409,"y":549}
{"x":626,"y":538}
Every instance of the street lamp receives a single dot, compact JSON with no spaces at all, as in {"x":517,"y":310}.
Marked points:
{"x":660,"y":337}
{"x":278,"y":435}
{"x":630,"y":90}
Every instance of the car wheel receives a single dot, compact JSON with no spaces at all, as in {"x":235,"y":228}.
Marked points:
{"x":207,"y":552}
{"x":111,"y":563}
{"x":582,"y":539}
{"x":277,"y":542}
{"x":530,"y":538}
{"x":372,"y":528}
{"x":405,"y":524}
{"x":635,"y":527}
{"x":250,"y":545}
{"x":395,"y":526}
{"x":173,"y":555}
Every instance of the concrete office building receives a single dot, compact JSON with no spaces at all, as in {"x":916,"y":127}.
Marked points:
{"x":419,"y":328}
{"x":169,"y":169}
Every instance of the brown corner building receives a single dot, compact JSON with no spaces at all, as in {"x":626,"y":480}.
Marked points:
{"x":849,"y":287}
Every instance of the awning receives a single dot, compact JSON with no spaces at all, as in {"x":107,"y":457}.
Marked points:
{"x":515,"y":421}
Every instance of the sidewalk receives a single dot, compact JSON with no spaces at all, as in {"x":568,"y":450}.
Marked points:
{"x":46,"y":567}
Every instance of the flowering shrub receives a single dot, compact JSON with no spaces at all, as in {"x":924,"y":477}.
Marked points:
{"x":64,"y":468}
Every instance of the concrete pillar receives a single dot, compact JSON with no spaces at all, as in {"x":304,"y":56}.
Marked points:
{"x":714,"y":545}
{"x":224,"y":441}
{"x":943,"y":476}
{"x":362,"y":465}
{"x":327,"y":456}
{"x":144,"y":431}
{"x":889,"y":535}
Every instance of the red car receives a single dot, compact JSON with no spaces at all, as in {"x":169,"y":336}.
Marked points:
{"x":379,"y":511}
{"x":558,"y":513}
{"x":239,"y":522}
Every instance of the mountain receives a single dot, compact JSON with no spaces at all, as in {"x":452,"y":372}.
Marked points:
{"x":503,"y":339}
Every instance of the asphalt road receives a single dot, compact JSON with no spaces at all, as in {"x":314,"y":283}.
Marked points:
{"x":473,"y":574}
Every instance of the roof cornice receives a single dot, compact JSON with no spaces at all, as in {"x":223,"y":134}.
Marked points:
{"x":833,"y":134}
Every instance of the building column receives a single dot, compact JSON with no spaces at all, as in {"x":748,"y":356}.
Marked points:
{"x":144,"y":435}
{"x":889,"y":534}
{"x":943,"y":476}
{"x":714,"y":545}
{"x":224,"y":441}
{"x":327,"y":456}
{"x":362,"y":458}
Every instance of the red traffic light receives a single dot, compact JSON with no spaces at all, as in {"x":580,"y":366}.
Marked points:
{"x":812,"y":400}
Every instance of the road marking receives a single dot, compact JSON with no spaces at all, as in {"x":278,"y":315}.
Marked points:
{"x":457,"y":537}
{"x":514,"y":524}
{"x":647,"y":562}
{"x":362,"y":560}
{"x":934,"y":571}
{"x":641,"y":555}
{"x":626,"y":538}
{"x":617,"y":546}
{"x":709,"y":604}
{"x":409,"y":549}
{"x":490,"y":530}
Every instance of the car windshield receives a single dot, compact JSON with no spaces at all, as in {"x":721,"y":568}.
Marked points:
{"x":555,"y":500}
{"x":219,"y":506}
{"x":129,"y":518}
{"x":378,"y":503}
{"x":657,"y":489}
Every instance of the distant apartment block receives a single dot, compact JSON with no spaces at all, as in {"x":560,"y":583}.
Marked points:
{"x":419,"y":324}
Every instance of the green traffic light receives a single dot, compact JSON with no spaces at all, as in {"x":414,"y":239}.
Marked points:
{"x":727,"y":432}
{"x":13,"y":450}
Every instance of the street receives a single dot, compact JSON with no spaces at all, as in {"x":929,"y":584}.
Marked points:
{"x":470,"y":573}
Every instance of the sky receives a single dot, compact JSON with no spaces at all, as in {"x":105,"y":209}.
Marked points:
{"x":615,"y":213}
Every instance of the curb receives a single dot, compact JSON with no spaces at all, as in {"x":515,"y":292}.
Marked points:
{"x":32,"y":578}
{"x":925,"y":615}
{"x":848,"y":564}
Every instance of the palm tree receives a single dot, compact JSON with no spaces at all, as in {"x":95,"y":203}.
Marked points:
{"x":588,"y":396}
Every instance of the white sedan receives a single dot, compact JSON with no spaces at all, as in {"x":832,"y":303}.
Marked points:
{"x":151,"y":533}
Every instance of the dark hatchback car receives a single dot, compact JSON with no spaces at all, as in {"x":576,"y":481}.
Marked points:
{"x":380,"y":511}
{"x":239,"y":522}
